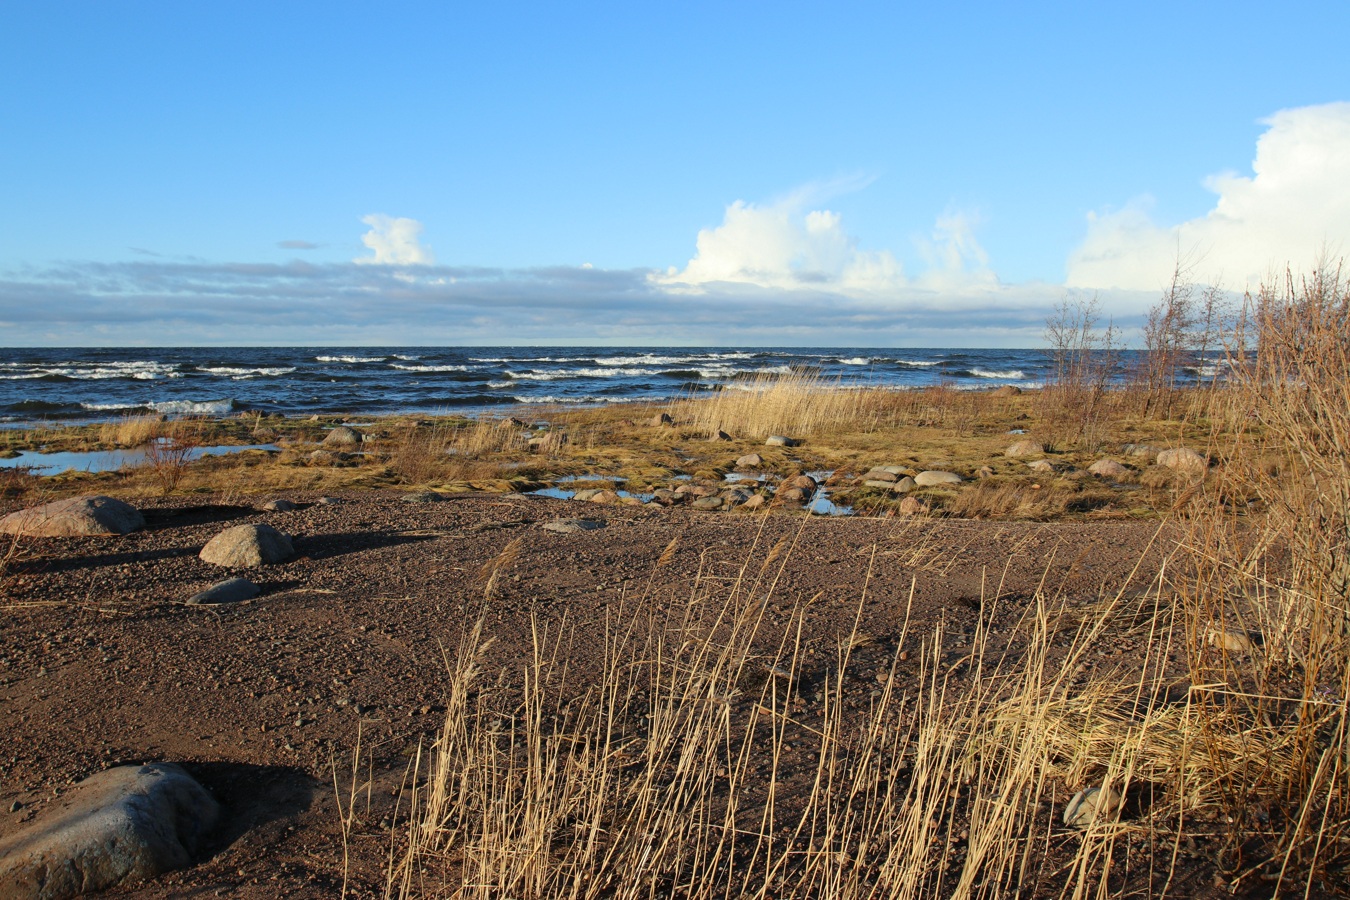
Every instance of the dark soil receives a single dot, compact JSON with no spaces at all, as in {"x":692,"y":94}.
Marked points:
{"x":101,"y":662}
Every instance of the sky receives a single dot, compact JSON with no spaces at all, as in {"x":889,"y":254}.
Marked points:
{"x":734,"y":174}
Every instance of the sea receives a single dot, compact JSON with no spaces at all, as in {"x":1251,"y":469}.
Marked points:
{"x":92,"y":384}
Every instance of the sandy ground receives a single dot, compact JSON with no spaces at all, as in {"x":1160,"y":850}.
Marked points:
{"x":102,"y":663}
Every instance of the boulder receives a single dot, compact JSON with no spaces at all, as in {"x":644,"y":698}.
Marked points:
{"x":343,"y":436}
{"x":247,"y":545}
{"x":585,"y":495}
{"x":1108,"y":468}
{"x":904,"y":485}
{"x":800,"y":482}
{"x":719,"y":435}
{"x":1041,"y":465}
{"x":232,"y":590}
{"x":660,"y":419}
{"x":778,"y":440}
{"x":1007,"y":390}
{"x":605,"y":497}
{"x":750,"y":461}
{"x":1024,"y":448}
{"x":913,"y":506}
{"x":935,"y":477}
{"x":756,"y":501}
{"x":572,"y":526}
{"x":878,"y":483}
{"x":76,"y":516}
{"x":121,"y":825}
{"x":707,"y":503}
{"x":881,"y":475}
{"x":278,"y":506}
{"x":985,"y":472}
{"x":1183,"y":460}
{"x":1091,"y":805}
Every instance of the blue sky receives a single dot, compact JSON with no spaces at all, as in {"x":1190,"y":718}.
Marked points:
{"x":732,"y":173}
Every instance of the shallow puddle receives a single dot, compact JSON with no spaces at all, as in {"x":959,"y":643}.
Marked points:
{"x":108,"y":460}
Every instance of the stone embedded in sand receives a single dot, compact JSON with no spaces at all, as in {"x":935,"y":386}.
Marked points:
{"x":1233,"y":640}
{"x":1108,"y":468}
{"x":719,"y":435}
{"x":232,"y":590}
{"x":1184,"y":460}
{"x":343,"y":436}
{"x":247,"y":545}
{"x":122,"y":825}
{"x":278,"y":506}
{"x":1007,"y":390}
{"x":913,"y":506}
{"x":936,"y":477}
{"x":778,"y":440}
{"x":750,"y":461}
{"x":1024,"y":448}
{"x":76,"y":516}
{"x":572,"y":526}
{"x":1091,"y":805}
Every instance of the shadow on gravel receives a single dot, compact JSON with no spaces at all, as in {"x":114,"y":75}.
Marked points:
{"x":98,"y":560}
{"x":252,"y":797}
{"x":327,"y":546}
{"x":184,"y":516}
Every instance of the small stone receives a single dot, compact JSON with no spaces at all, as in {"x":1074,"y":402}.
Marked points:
{"x":935,"y":477}
{"x":604,"y":497}
{"x":1233,"y":640}
{"x":880,"y":475}
{"x":278,"y":506}
{"x":1184,"y":460}
{"x":1091,"y":805}
{"x":756,"y":501}
{"x":422,"y":497}
{"x":343,"y":436}
{"x":1108,"y":468}
{"x":572,"y":526}
{"x":778,"y":440}
{"x":15,"y":806}
{"x":233,"y":590}
{"x":707,"y":503}
{"x":1024,"y":448}
{"x":913,"y":506}
{"x":328,"y":501}
{"x":1041,"y":465}
{"x":984,"y":472}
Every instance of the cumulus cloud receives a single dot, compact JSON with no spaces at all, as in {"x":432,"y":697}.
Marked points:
{"x":394,"y":242}
{"x":784,"y":245}
{"x":1295,"y":203}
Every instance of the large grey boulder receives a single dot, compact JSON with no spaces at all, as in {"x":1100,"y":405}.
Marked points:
{"x":122,"y":825}
{"x":247,"y":545}
{"x":76,"y":516}
{"x":1183,"y":460}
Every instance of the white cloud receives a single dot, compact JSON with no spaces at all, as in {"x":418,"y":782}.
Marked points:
{"x":784,"y":245}
{"x":1296,"y":202}
{"x":394,"y":242}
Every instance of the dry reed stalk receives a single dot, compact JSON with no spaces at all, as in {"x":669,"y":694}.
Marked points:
{"x":667,"y":776}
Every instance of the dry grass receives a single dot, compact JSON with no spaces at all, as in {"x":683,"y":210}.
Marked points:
{"x":697,"y":768}
{"x":131,"y":431}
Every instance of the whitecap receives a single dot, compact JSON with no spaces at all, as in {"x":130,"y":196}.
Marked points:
{"x":428,"y":368}
{"x":193,"y":407}
{"x":985,"y":373}
{"x":351,"y":359}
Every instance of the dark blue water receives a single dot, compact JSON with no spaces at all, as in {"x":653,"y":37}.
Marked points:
{"x":104,"y":383}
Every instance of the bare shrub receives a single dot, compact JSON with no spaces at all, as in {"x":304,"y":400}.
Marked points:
{"x":1083,"y":356}
{"x":168,"y":454}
